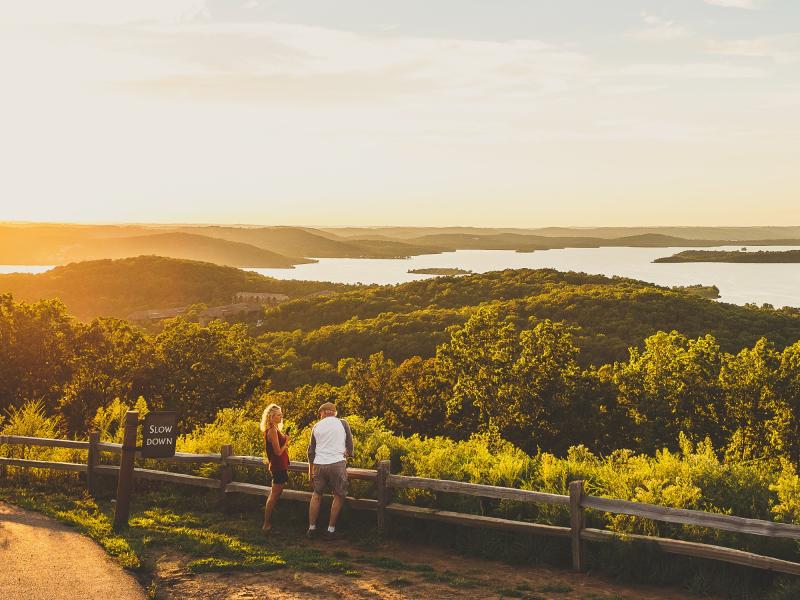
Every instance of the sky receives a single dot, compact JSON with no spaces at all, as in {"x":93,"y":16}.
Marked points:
{"x":522,"y":113}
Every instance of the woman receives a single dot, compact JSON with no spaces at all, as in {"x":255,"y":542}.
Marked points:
{"x":276,"y":445}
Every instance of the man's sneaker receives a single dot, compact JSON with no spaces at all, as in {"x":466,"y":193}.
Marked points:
{"x":332,"y":535}
{"x":312,"y":533}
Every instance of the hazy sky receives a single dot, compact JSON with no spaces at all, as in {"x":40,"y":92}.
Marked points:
{"x":412,"y":112}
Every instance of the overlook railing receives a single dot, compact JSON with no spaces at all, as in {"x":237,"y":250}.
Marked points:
{"x":577,"y":501}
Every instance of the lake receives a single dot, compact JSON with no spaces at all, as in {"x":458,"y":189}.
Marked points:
{"x":776,"y":284}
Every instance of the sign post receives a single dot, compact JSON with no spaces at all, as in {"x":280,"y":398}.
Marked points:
{"x":125,"y":481}
{"x":159,"y":434}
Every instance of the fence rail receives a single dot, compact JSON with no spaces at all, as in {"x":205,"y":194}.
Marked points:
{"x":577,"y":501}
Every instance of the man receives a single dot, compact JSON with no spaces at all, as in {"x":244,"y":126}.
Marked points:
{"x":330,"y":445}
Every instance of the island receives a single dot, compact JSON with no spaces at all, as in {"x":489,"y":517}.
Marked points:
{"x":734,"y":256}
{"x":440,"y":271}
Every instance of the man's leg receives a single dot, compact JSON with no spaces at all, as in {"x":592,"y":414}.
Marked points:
{"x":336,"y":508}
{"x":339,"y":484}
{"x":313,"y":509}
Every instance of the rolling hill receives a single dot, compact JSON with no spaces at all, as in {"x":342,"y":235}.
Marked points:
{"x":298,"y":241}
{"x":116,"y":288}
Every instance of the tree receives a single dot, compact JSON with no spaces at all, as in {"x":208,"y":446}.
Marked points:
{"x":671,"y":387}
{"x":786,"y":424}
{"x":478,"y":362}
{"x":753,"y":412}
{"x":547,"y":379}
{"x":36,"y":351}
{"x":112,"y":360}
{"x":204,"y":369}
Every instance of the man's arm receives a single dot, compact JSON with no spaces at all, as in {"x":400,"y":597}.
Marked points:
{"x":348,"y":439}
{"x":312,"y":452}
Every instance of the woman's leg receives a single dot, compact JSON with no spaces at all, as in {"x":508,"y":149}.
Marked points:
{"x":274,"y":494}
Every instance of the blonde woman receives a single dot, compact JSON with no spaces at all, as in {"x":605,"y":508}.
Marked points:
{"x":276,"y":445}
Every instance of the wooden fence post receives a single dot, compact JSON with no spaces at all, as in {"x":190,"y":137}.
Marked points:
{"x":577,"y":522}
{"x":3,"y":471}
{"x":382,"y":493}
{"x":91,"y":462}
{"x":225,"y":473}
{"x":125,"y":481}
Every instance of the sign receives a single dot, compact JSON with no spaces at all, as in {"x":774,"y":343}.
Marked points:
{"x":159,"y":434}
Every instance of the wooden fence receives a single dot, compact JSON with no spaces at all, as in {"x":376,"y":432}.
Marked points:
{"x":577,"y":502}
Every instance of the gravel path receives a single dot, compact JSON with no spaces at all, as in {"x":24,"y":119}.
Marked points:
{"x":42,"y":559}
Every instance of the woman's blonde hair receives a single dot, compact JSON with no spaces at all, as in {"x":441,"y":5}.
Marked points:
{"x":266,"y":418}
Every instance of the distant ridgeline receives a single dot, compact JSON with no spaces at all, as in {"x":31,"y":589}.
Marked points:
{"x":284,"y":247}
{"x":761,"y":256}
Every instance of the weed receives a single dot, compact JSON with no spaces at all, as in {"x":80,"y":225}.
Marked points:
{"x":556,"y":588}
{"x":383,"y":562}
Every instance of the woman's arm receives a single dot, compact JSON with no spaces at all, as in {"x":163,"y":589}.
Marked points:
{"x":272,"y":436}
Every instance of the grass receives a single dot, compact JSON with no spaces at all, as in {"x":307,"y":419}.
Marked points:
{"x":556,"y":588}
{"x":392,"y":564}
{"x":453,"y":579}
{"x":209,"y":539}
{"x":211,"y":543}
{"x":522,"y":590}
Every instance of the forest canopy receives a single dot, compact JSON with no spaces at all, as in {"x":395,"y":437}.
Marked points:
{"x":545,"y":359}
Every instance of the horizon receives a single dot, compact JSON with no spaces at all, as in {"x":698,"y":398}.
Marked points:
{"x":384,"y":226}
{"x":347,"y":114}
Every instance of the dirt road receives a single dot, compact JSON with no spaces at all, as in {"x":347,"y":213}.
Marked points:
{"x":42,"y":559}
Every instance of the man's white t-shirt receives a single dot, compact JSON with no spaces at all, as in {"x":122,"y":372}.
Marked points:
{"x":331,"y":441}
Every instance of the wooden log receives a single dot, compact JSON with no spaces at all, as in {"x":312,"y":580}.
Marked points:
{"x":91,"y":462}
{"x":225,"y":476}
{"x":577,"y":523}
{"x":43,"y":464}
{"x":381,"y":493}
{"x":153,"y":475}
{"x":299,"y":467}
{"x":252,"y":461}
{"x":125,"y":479}
{"x":418,"y":512}
{"x":179,"y":457}
{"x":698,"y":550}
{"x":46,"y":442}
{"x":475,"y":489}
{"x":188,"y":457}
{"x":693,"y":517}
{"x":226,"y":472}
{"x":109,"y":447}
{"x":263,"y":490}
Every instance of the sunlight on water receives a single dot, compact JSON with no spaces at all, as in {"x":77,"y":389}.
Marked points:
{"x":776,"y":284}
{"x":6,"y":269}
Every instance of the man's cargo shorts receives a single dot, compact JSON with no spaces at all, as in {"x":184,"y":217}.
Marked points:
{"x":333,"y":476}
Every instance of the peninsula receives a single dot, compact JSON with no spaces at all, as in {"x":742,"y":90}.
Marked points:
{"x":440,"y":271}
{"x":735,"y":256}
